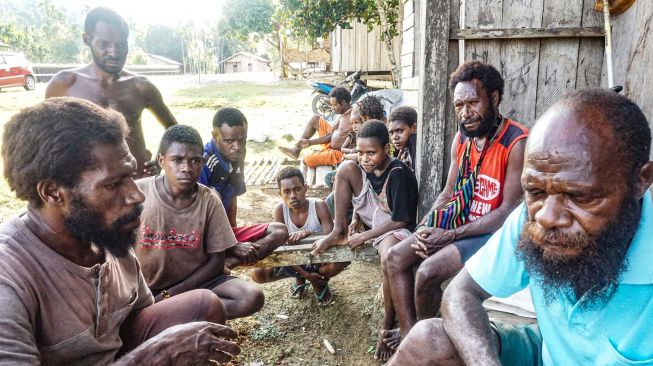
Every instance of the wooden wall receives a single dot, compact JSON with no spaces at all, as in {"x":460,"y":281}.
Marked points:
{"x":541,"y":48}
{"x":632,"y":42}
{"x":356,"y":49}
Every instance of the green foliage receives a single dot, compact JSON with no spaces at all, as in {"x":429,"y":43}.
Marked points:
{"x":316,"y":18}
{"x":245,"y":18}
{"x":137,"y":57}
{"x":162,"y":40}
{"x":41,"y":30}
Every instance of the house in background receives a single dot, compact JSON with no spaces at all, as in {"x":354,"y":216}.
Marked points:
{"x":244,"y":62}
{"x":160,"y":60}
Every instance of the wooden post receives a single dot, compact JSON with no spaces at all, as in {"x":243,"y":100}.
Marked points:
{"x":432,"y":101}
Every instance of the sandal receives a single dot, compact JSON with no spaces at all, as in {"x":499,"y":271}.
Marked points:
{"x":325,"y":298}
{"x":297,"y":291}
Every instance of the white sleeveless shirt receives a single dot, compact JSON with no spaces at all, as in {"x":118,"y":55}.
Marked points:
{"x":312,"y":222}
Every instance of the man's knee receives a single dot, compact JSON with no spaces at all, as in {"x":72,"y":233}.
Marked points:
{"x":277,"y":232}
{"x":253,"y":299}
{"x":399,"y":258}
{"x":259,"y":275}
{"x":429,"y":275}
{"x":427,"y":343}
{"x":215,"y":309}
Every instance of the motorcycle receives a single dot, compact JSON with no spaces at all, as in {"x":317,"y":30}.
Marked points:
{"x":320,"y":103}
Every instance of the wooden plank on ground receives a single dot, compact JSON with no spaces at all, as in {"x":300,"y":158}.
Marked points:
{"x":294,"y":255}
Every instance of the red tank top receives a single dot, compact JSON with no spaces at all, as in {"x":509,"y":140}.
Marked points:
{"x":488,"y":191}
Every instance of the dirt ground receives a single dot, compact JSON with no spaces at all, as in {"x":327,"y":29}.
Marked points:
{"x":286,"y":331}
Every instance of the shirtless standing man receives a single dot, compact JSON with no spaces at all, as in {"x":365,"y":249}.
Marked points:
{"x":104,"y":82}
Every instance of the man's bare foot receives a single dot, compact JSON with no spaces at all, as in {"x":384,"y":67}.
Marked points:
{"x":383,"y":351}
{"x":391,"y":338}
{"x":332,"y":239}
{"x":292,"y":153}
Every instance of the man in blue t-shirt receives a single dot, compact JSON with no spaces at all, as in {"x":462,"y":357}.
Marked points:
{"x":583,"y":241}
{"x":224,"y":157}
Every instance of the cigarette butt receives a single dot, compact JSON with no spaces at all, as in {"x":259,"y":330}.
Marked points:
{"x":329,"y":347}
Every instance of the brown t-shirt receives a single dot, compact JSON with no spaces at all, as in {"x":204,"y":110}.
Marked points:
{"x":173,"y":243}
{"x":55,"y":312}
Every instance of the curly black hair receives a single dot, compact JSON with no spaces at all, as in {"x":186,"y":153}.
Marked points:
{"x":180,"y":133}
{"x":106,"y":15}
{"x":371,"y":107}
{"x":54,"y":140}
{"x":231,"y":116}
{"x":375,"y":128}
{"x":289,"y":172}
{"x":341,"y":94}
{"x":405,"y":114}
{"x":631,"y":131}
{"x":485,"y":73}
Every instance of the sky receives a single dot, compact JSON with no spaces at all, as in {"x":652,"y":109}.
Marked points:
{"x":169,"y":12}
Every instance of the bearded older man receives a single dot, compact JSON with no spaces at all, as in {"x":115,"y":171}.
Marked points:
{"x":583,"y":241}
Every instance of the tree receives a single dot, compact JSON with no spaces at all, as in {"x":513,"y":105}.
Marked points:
{"x":163,"y":41}
{"x":316,"y":18}
{"x":259,"y":19}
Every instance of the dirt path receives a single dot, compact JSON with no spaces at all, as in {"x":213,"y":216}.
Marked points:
{"x":291,"y":332}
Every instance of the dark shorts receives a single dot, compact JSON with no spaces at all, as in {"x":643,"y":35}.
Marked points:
{"x":283,"y":272}
{"x":468,"y":246}
{"x":250,"y":233}
{"x":521,"y":344}
{"x":217,"y":281}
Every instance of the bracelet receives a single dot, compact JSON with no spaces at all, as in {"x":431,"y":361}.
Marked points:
{"x":165,"y":294}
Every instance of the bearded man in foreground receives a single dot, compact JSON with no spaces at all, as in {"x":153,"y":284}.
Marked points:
{"x":582,"y":240}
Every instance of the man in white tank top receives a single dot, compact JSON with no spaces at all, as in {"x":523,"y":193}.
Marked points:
{"x":303,"y":217}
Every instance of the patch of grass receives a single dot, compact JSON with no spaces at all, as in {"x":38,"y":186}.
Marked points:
{"x":213,"y":104}
{"x":257,"y":148}
{"x":238,"y":90}
{"x":288,"y":137}
{"x":267,"y":330}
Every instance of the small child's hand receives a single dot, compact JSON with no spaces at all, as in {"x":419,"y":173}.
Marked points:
{"x":295,"y":237}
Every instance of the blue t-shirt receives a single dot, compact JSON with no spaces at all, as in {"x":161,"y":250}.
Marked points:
{"x":618,"y":333}
{"x":224,"y":177}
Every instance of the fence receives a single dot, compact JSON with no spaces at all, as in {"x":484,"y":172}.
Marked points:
{"x":45,"y":72}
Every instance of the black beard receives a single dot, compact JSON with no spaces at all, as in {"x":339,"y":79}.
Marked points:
{"x":594,"y":274}
{"x":488,"y":122}
{"x":85,"y":224}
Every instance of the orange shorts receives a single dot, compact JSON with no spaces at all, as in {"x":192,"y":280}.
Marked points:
{"x":326,"y":156}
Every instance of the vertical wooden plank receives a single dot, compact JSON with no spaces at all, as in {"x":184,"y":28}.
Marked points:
{"x":432,"y":100}
{"x":363,"y":48}
{"x":481,"y":14}
{"x":590,"y":51}
{"x":558,"y":57}
{"x":520,"y":60}
{"x":625,"y":31}
{"x":639,"y":77}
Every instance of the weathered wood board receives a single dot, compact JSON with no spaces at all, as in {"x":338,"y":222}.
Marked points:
{"x":293,"y":255}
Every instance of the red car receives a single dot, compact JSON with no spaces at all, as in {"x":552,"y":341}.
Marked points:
{"x":16,"y":71}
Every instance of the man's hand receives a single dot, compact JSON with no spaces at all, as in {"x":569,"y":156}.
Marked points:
{"x":430,"y":239}
{"x":196,"y":343}
{"x":151,"y":168}
{"x":313,"y":277}
{"x":247,"y":252}
{"x":356,"y":240}
{"x":353,"y":227}
{"x":320,"y":246}
{"x":295,"y":237}
{"x":303,"y":143}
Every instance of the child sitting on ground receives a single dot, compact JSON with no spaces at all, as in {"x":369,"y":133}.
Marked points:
{"x":402,"y":126}
{"x":303,"y":217}
{"x":185,"y":231}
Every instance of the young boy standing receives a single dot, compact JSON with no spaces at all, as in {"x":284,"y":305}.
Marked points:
{"x":303,"y":217}
{"x":185,"y":232}
{"x":223,"y":171}
{"x":402,"y":126}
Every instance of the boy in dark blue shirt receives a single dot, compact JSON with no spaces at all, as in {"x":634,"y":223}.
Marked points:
{"x":223,"y":170}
